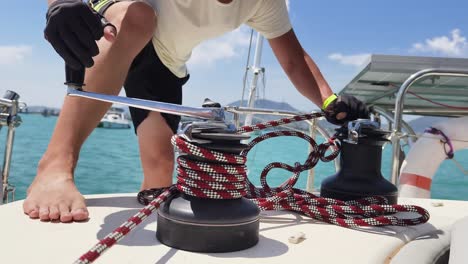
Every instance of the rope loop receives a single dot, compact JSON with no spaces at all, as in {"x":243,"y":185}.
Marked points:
{"x":324,"y":147}
{"x":369,"y":211}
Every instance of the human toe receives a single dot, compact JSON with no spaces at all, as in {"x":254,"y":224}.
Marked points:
{"x":65,"y":214}
{"x":80,"y":214}
{"x":79,"y":211}
{"x":54,"y":213}
{"x":44,"y":213}
{"x":34,"y":214}
{"x":30,"y":209}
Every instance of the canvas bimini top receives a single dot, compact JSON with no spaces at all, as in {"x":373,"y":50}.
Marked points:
{"x":379,"y":82}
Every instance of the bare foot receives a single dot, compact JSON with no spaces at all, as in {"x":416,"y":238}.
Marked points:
{"x":55,"y":197}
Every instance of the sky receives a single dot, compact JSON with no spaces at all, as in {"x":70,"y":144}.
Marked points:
{"x":338,"y":35}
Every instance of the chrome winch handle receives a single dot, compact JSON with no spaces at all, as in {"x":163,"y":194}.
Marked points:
{"x":216,"y":114}
{"x":75,"y":80}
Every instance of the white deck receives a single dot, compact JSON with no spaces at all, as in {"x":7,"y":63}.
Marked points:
{"x":23,"y":240}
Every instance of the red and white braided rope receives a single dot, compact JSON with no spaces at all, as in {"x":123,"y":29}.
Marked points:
{"x":194,"y":176}
{"x":120,"y":232}
{"x":279,"y":122}
{"x":372,"y":211}
{"x":227,"y":179}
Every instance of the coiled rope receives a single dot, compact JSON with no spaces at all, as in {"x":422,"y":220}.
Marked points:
{"x":223,"y":176}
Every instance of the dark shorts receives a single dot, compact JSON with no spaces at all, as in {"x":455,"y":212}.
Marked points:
{"x":149,"y":79}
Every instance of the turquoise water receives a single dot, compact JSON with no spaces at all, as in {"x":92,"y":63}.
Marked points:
{"x":109,"y":161}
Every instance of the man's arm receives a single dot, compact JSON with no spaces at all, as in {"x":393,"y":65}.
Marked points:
{"x":300,"y":68}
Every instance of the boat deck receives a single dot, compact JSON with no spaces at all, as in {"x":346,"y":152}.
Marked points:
{"x":30,"y":241}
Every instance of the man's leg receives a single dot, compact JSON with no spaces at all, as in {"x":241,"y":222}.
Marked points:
{"x":150,"y":79}
{"x":53,"y":194}
{"x":156,"y":151}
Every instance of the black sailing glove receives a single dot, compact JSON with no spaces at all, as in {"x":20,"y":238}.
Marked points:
{"x":72,"y":29}
{"x":351,"y":107}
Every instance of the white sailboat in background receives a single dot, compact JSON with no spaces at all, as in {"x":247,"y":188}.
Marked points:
{"x":115,"y":118}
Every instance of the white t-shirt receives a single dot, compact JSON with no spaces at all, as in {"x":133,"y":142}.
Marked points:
{"x":183,"y":24}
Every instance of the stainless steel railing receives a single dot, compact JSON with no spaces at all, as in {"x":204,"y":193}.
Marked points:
{"x":9,"y":107}
{"x":399,"y":103}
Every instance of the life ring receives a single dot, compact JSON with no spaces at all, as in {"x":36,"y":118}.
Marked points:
{"x":425,"y":156}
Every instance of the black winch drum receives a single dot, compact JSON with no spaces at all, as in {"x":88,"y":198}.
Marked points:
{"x":207,"y":225}
{"x":360,"y":174}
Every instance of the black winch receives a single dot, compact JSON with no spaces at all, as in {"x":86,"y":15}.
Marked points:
{"x":209,"y":225}
{"x":361,"y":156}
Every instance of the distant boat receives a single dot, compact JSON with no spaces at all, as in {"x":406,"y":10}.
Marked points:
{"x":45,"y":112}
{"x":114,"y":118}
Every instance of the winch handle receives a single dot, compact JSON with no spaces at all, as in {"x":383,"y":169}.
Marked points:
{"x":75,"y":83}
{"x":74,"y":78}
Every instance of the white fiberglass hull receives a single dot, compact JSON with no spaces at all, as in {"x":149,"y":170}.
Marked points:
{"x":113,"y":124}
{"x":30,"y":241}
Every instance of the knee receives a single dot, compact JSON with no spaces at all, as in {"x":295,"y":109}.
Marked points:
{"x":161,"y":162}
{"x":163,"y":158}
{"x":137,"y":21}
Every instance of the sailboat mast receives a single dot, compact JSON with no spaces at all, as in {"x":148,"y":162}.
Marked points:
{"x":256,"y":70}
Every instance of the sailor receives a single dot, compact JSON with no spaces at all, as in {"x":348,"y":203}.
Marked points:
{"x":146,"y":53}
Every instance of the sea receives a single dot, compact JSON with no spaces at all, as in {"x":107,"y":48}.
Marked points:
{"x":109,"y":161}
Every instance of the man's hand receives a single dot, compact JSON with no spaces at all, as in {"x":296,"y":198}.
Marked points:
{"x":73,"y":29}
{"x":345,"y":108}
